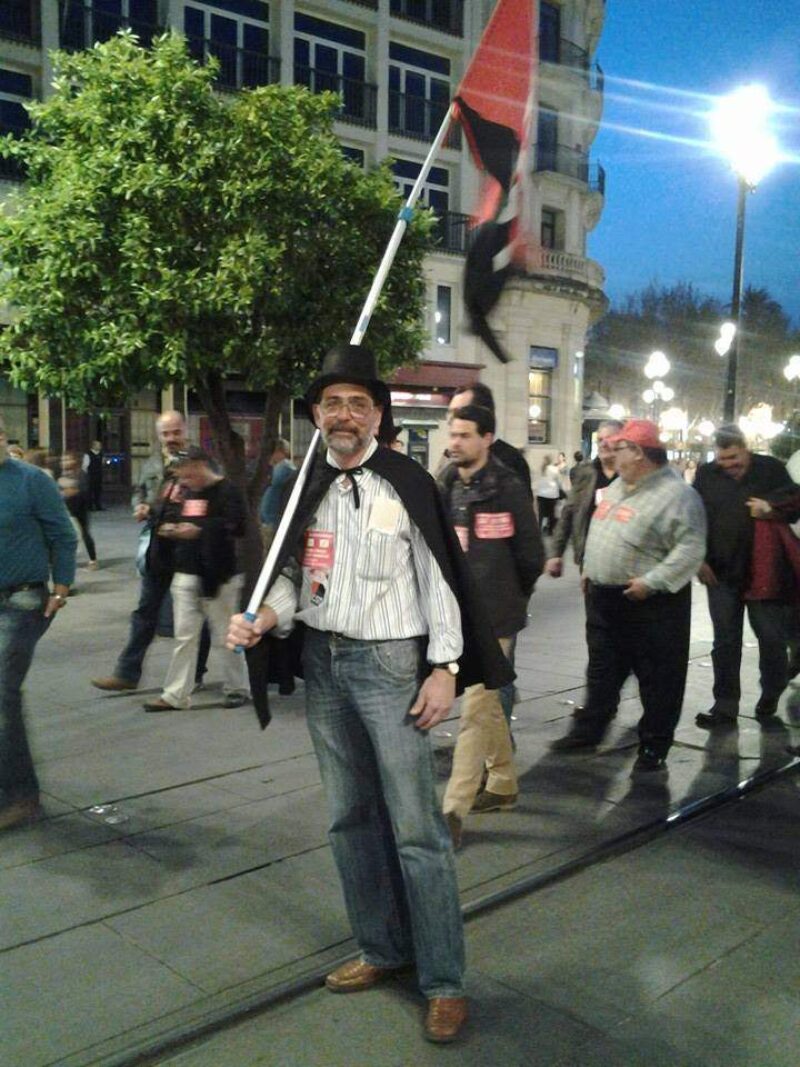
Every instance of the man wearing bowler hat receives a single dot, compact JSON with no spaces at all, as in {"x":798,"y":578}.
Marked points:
{"x":372,"y":570}
{"x":646,"y":542}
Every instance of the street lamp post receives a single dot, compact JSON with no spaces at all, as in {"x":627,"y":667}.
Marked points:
{"x":739,"y":125}
{"x":657,"y":368}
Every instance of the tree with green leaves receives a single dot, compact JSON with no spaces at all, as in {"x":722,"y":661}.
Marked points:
{"x":167,"y":233}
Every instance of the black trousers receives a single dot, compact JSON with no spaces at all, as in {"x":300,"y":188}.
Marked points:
{"x":647,"y":637}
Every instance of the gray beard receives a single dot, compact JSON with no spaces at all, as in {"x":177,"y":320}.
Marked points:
{"x":349,"y":446}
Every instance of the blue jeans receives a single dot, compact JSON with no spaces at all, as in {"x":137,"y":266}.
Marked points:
{"x":389,"y":839}
{"x":22,"y":623}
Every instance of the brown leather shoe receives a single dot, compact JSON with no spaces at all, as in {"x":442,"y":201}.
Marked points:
{"x":114,"y":685}
{"x":456,"y":828}
{"x":445,"y":1018}
{"x":19,"y":811}
{"x":159,"y":705}
{"x":356,"y":975}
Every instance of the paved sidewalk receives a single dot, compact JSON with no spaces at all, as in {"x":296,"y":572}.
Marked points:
{"x":183,"y":865}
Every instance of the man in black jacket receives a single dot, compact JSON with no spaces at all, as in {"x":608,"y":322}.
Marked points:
{"x":726,"y":486}
{"x":198,"y":545}
{"x":497,"y":530}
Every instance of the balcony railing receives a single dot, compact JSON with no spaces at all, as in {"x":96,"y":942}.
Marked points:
{"x":372,"y":4}
{"x":19,"y":21}
{"x":445,"y":15}
{"x":418,"y":118}
{"x":568,"y":54}
{"x":82,"y":25}
{"x":239,"y":68}
{"x":572,"y":162}
{"x":359,"y":99}
{"x":451,"y":233}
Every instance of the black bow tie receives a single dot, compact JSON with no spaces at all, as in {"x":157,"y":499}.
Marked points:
{"x":351,"y":474}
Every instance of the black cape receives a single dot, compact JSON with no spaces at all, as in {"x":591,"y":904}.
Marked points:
{"x":482,"y":659}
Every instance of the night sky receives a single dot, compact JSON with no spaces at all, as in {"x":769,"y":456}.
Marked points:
{"x":670,"y":210}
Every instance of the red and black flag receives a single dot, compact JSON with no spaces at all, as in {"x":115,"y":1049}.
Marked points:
{"x":495,"y":105}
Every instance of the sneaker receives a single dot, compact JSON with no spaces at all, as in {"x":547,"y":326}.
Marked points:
{"x":714,"y":719}
{"x":487,"y":801}
{"x":92,"y":565}
{"x":114,"y":685}
{"x":235,"y":700}
{"x":649,"y":760}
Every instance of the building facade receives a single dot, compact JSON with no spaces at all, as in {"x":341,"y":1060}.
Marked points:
{"x":396,"y":64}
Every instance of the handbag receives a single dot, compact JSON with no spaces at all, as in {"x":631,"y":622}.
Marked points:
{"x":142,"y":549}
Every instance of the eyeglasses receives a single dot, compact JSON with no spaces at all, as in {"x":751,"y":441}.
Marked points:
{"x":621,"y":448}
{"x":358,"y":406}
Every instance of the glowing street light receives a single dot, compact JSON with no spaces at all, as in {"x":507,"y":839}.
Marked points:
{"x":727,"y":332}
{"x":740,"y":129}
{"x":657,"y":366}
{"x":616,"y":411}
{"x":706,"y":427}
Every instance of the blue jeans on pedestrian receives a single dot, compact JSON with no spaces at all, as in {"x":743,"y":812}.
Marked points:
{"x":22,"y":623}
{"x":388,"y":836}
{"x":144,"y":620}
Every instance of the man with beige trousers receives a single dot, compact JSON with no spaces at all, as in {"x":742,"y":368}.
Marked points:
{"x":494,"y":520}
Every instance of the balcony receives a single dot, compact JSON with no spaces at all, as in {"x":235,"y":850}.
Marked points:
{"x":444,"y":15}
{"x":566,"y":53}
{"x":82,"y":25}
{"x":371,"y":4}
{"x":451,"y":233}
{"x":572,"y":162}
{"x":238,"y":67}
{"x":420,"y":119}
{"x":19,"y":21}
{"x":556,"y":264}
{"x":359,"y":99}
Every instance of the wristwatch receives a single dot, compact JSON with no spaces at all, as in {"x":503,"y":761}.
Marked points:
{"x":451,"y":668}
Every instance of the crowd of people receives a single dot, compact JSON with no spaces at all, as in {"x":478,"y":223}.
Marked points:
{"x":400,"y":591}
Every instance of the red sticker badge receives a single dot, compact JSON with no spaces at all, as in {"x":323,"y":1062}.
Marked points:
{"x":462,"y":533}
{"x":602,"y":510}
{"x":318,"y":551}
{"x":194,"y":509}
{"x":492,"y":525}
{"x":625,"y":514}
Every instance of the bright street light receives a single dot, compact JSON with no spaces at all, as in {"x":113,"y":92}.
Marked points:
{"x":616,"y":411}
{"x":706,"y":427}
{"x":657,"y":366}
{"x":792,"y":369}
{"x":740,"y":128}
{"x":727,"y":332}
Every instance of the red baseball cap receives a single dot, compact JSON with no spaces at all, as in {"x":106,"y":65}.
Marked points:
{"x":639,"y":432}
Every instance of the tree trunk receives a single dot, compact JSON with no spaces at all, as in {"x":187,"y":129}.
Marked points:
{"x":276,"y":398}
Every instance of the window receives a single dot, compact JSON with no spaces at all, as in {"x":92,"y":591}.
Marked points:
{"x":83,"y":23}
{"x":435,"y":190}
{"x":549,"y":32}
{"x":15,"y":89}
{"x":541,"y":364}
{"x":442,"y":315}
{"x":419,"y":91}
{"x":239,"y":39}
{"x":353,"y":155}
{"x":547,"y":139}
{"x":328,"y":56}
{"x":552,"y":230}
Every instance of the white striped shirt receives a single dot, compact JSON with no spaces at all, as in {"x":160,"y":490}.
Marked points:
{"x":368,"y":573}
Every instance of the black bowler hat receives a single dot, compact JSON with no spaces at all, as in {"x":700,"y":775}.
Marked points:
{"x":354,"y":364}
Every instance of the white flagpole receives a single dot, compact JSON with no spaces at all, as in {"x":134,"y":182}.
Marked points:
{"x":266,"y":576}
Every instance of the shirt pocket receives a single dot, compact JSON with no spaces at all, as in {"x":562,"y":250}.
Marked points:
{"x":377,"y":556}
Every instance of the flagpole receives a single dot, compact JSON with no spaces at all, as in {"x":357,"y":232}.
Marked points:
{"x":405,"y":215}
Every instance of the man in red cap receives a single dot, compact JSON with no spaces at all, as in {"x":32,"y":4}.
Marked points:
{"x":646,"y":542}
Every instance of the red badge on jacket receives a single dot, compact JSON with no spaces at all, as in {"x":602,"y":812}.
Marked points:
{"x":318,"y":552}
{"x":194,"y":509}
{"x":492,"y":525}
